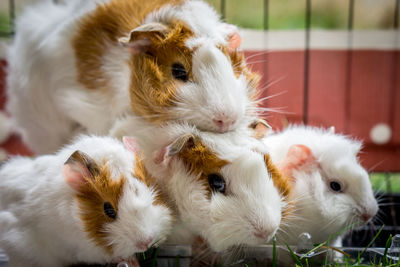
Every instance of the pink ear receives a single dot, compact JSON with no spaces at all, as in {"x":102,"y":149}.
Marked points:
{"x":231,"y":32}
{"x":160,"y":156}
{"x":131,"y":144}
{"x":185,"y":141}
{"x":261,"y":128}
{"x":78,"y":168}
{"x":73,"y":177}
{"x":234,"y":41}
{"x":298,"y":157}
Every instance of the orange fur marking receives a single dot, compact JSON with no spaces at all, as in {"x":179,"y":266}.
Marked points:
{"x":152,"y":87}
{"x":201,"y":161}
{"x":91,"y":198}
{"x":143,"y":175}
{"x":281,"y":181}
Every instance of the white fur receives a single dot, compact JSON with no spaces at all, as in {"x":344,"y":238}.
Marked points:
{"x":49,"y":106}
{"x":319,"y":210}
{"x":39,"y":215}
{"x":251,"y":201}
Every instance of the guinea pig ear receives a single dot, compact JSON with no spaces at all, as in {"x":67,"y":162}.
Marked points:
{"x":131,"y":144}
{"x":141,"y":38}
{"x":234,"y":39}
{"x":260,"y":127}
{"x":186,"y":141}
{"x":299,"y":157}
{"x":78,"y":168}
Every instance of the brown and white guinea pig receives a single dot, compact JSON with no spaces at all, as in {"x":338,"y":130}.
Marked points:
{"x":96,"y":66}
{"x":330,"y":189}
{"x":89,"y":203}
{"x":219,"y":185}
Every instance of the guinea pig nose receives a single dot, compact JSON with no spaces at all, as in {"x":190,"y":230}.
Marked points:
{"x":144,"y":244}
{"x":223,"y":122}
{"x":261,"y":235}
{"x":366,"y":217}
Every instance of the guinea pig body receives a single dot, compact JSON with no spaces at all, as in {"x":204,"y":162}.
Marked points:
{"x":218,"y":184}
{"x":78,"y":207}
{"x":95,"y":66}
{"x":330,"y":191}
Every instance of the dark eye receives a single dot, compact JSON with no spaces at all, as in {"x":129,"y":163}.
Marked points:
{"x":109,"y":210}
{"x":335,"y":186}
{"x":216,"y":182}
{"x":179,"y":72}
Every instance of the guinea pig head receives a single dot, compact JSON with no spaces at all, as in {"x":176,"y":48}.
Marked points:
{"x":333,"y":184}
{"x":182,"y":76}
{"x":227,"y":201}
{"x":119,"y":214}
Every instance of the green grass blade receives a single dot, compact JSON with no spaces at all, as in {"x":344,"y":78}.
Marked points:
{"x":154,"y":262}
{"x":295,"y":258}
{"x":388,"y":242}
{"x":274,"y":251}
{"x":371,"y":242}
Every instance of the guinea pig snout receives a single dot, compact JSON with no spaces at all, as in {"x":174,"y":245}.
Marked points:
{"x":263,"y":232}
{"x":145,"y":243}
{"x":224,"y":121}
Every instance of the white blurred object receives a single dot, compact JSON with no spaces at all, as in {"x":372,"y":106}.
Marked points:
{"x":5,"y":127}
{"x":381,"y":133}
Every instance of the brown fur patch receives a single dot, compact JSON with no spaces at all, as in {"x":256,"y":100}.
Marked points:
{"x":93,"y":194}
{"x":143,"y":175}
{"x":201,"y":161}
{"x":152,"y":88}
{"x":281,"y":182}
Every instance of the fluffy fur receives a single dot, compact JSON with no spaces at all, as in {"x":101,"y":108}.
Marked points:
{"x":95,"y":66}
{"x":181,"y":158}
{"x":48,"y":217}
{"x":319,"y":210}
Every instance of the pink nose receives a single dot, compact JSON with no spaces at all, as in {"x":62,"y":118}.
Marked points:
{"x":261,"y":235}
{"x":223,"y":122}
{"x":366,"y":217}
{"x":144,"y":244}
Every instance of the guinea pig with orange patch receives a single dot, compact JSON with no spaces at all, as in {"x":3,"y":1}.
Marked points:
{"x":97,"y":66}
{"x":330,"y":189}
{"x":217,"y":184}
{"x":89,"y":203}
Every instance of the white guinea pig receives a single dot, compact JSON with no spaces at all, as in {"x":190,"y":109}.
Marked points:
{"x":330,"y":191}
{"x":79,"y":207}
{"x":95,"y":66}
{"x":218,"y":184}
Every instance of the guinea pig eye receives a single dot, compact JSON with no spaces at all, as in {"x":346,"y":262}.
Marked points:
{"x":179,"y":72}
{"x":216,"y":182}
{"x":335,"y":186}
{"x":109,"y":210}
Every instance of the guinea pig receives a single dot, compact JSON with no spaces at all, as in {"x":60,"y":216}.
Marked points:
{"x":220,"y":187}
{"x":330,"y":189}
{"x":96,"y":66}
{"x":92,"y":202}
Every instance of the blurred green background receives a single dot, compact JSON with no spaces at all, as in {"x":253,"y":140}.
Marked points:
{"x":283,"y":14}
